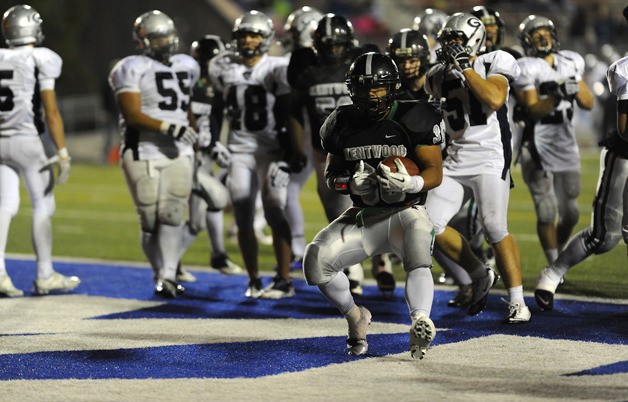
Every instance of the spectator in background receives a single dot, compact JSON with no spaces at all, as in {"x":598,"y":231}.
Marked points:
{"x":28,"y":75}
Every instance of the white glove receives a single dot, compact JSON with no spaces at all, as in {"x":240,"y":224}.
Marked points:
{"x":279,"y":174}
{"x":569,"y":88}
{"x":221,"y":155}
{"x":185,"y":134}
{"x":399,"y":181}
{"x":62,"y":158}
{"x":364,"y":180}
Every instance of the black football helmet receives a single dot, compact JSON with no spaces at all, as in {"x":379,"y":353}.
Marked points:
{"x":373,"y":70}
{"x":409,"y":44}
{"x":488,"y":16}
{"x":205,"y":49}
{"x":527,"y":28}
{"x":333,"y":38}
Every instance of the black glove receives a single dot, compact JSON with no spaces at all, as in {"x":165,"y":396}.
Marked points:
{"x":459,"y":56}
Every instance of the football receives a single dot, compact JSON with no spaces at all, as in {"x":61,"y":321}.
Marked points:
{"x":411,"y":167}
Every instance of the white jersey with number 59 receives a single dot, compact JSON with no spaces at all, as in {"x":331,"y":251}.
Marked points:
{"x":249,"y":95}
{"x":24,"y":72}
{"x":480,"y":137}
{"x":166,"y":91}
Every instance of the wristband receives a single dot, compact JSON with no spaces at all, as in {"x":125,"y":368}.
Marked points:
{"x":63,"y":153}
{"x":417,"y":184}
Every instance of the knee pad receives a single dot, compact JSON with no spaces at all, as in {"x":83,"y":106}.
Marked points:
{"x":570,"y":213}
{"x":315,"y":270}
{"x":211,"y":190}
{"x":545,"y":206}
{"x":608,"y":242}
{"x":148,"y":217}
{"x":494,"y":233}
{"x":171,"y":212}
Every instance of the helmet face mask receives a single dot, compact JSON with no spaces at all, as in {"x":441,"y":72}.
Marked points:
{"x":252,"y":24}
{"x":333,"y":38}
{"x":373,"y":81}
{"x":538,"y":36}
{"x":410,"y":51}
{"x":465,"y":29}
{"x":21,"y":25}
{"x":155,"y":36}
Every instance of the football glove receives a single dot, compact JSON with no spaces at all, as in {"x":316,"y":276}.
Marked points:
{"x":185,"y":134}
{"x":399,"y":181}
{"x":569,"y":88}
{"x":459,"y":56}
{"x":221,"y":155}
{"x":279,"y":174}
{"x":62,"y":158}
{"x":364,"y":180}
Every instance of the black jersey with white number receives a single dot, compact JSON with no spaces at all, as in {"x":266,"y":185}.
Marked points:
{"x":321,"y":86}
{"x":410,"y":124}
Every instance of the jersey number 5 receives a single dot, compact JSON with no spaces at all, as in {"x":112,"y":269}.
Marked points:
{"x":6,"y":95}
{"x":171,"y":101}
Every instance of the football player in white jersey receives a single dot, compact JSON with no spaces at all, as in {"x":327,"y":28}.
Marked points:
{"x":254,"y":91}
{"x":209,"y":195}
{"x":550,"y":82}
{"x":153,"y":92}
{"x":609,"y":220}
{"x":27,"y":82}
{"x":476,"y":88}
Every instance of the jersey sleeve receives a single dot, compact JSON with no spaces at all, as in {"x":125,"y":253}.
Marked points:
{"x":49,"y":66}
{"x":617,"y":77}
{"x":504,"y":64}
{"x":125,"y":76}
{"x":216,"y":67}
{"x":527,"y":78}
{"x":577,"y":59}
{"x":329,"y":133}
{"x":300,"y":60}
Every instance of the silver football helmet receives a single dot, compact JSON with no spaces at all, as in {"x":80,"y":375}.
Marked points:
{"x":466,"y":27}
{"x":527,"y":27}
{"x":253,"y":22}
{"x":429,"y":22}
{"x":21,"y":25}
{"x":300,"y":25}
{"x":155,"y":35}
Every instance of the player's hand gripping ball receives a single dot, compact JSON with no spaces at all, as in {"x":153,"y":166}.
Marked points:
{"x":408,"y":163}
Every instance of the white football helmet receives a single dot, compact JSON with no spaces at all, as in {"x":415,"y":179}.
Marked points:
{"x":155,"y":35}
{"x":21,"y":25}
{"x":253,"y":22}
{"x":527,"y":27}
{"x":300,"y":25}
{"x":429,"y":22}
{"x":466,"y":27}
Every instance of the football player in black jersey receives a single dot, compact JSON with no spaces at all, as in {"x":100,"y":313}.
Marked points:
{"x":387,"y":214}
{"x":317,"y":77}
{"x":411,"y":52}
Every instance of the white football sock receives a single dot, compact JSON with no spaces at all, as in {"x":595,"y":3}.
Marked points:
{"x":420,"y":291}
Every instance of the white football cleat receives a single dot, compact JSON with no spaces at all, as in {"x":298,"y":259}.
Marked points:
{"x":7,"y":289}
{"x":422,"y":333}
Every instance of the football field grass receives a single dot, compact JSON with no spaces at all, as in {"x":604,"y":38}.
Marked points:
{"x":95,"y":219}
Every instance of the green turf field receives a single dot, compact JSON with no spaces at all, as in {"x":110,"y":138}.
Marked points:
{"x":95,"y":219}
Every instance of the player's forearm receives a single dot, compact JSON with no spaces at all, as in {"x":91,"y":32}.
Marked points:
{"x":486,"y":90}
{"x":54,"y":122}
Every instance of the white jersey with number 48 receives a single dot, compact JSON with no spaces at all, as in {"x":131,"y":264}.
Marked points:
{"x":249,"y":95}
